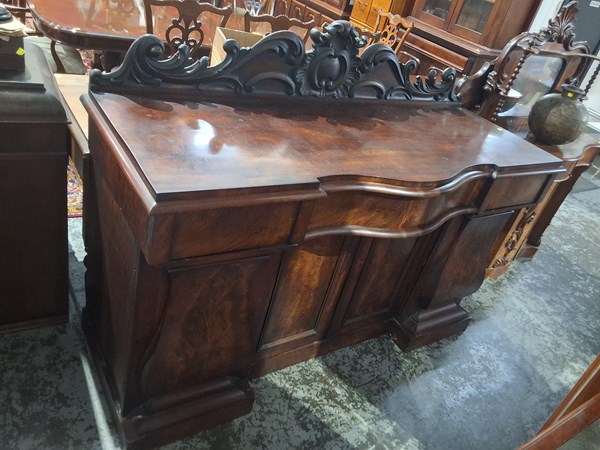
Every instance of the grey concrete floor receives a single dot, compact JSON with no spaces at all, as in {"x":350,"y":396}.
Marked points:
{"x":534,"y":331}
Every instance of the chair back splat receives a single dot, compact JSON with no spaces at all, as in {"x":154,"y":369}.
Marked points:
{"x":393,"y":29}
{"x":187,"y":28}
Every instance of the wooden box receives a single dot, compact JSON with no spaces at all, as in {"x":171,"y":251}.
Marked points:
{"x":244,"y":38}
{"x":12,"y":54}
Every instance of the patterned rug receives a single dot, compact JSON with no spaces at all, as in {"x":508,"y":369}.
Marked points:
{"x":74,"y":192}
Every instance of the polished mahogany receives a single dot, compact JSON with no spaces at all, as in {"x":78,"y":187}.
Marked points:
{"x":235,"y":229}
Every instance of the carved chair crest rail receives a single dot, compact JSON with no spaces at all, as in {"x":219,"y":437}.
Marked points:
{"x":394,"y":29}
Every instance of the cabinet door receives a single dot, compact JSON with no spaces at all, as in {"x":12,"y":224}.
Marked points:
{"x":296,"y":10}
{"x":434,"y":12}
{"x":311,"y":14}
{"x":471,"y":18}
{"x":383,"y":5}
{"x":380,"y":278}
{"x":361,"y":10}
{"x":281,"y":7}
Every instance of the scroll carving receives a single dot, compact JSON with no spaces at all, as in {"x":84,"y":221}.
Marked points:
{"x":279,"y":65}
{"x":514,"y":241}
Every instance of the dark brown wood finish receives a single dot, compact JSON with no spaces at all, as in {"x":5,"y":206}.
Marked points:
{"x":229,"y":239}
{"x":577,"y":157}
{"x":33,"y":220}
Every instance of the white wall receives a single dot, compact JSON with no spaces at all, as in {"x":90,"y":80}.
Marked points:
{"x":546,"y":11}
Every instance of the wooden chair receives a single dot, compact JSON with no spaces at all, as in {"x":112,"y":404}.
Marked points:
{"x":187,"y":28}
{"x":393,"y":29}
{"x":278,"y":23}
{"x":529,"y":66}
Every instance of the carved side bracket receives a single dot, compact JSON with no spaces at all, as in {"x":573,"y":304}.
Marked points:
{"x":279,"y":65}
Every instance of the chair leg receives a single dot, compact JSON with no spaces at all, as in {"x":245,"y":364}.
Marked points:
{"x":60,"y":68}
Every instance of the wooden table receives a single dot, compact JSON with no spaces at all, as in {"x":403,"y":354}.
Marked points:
{"x":108,"y":26}
{"x":244,"y":219}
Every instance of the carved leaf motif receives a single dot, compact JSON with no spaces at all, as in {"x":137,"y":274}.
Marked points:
{"x":561,"y":28}
{"x":279,"y":65}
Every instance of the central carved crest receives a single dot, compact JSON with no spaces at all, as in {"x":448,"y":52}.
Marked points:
{"x":331,"y":69}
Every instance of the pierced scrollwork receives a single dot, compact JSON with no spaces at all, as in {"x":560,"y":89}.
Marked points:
{"x":187,"y":28}
{"x":279,"y":65}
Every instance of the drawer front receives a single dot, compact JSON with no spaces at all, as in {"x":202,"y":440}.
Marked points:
{"x":361,"y":10}
{"x":354,"y":211}
{"x":383,"y":5}
{"x":230,"y":229}
{"x":296,"y":10}
{"x":312,"y":14}
{"x":282,"y":7}
{"x":512,"y":191}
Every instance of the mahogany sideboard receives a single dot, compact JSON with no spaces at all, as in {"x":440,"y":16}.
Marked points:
{"x":284,"y":204}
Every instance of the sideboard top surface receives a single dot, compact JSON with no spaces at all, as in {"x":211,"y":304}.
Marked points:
{"x":183,"y":147}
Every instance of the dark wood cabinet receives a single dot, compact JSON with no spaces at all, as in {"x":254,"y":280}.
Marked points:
{"x":461,"y":34}
{"x":33,"y":221}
